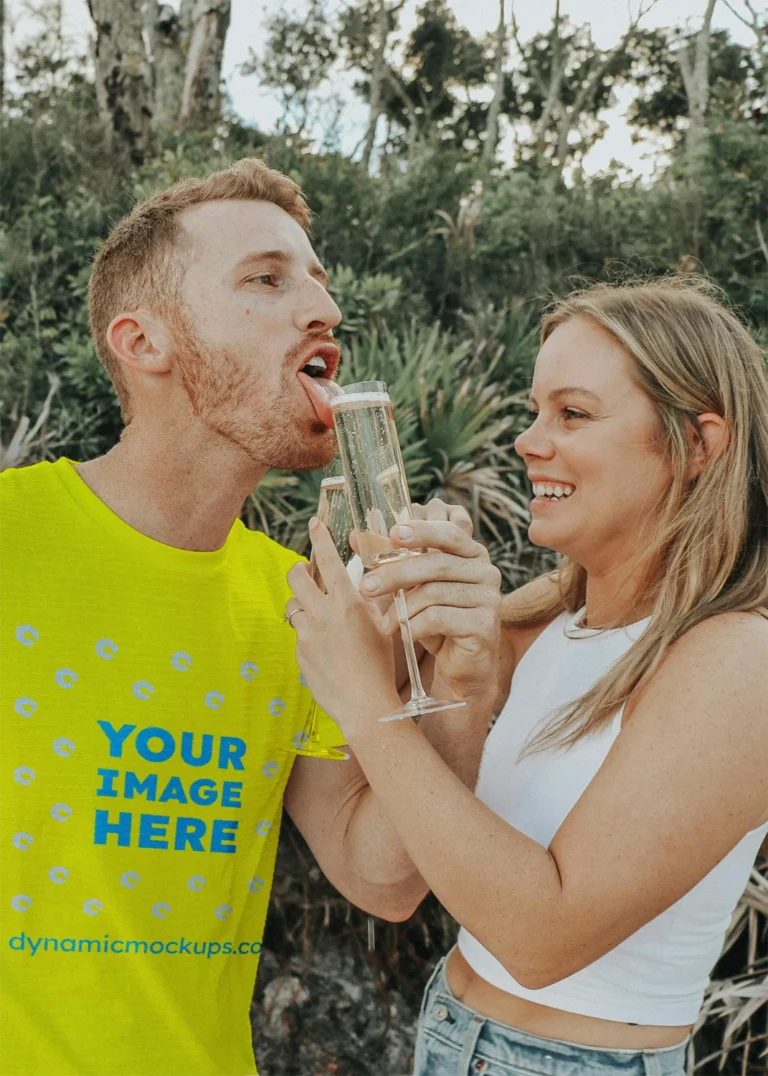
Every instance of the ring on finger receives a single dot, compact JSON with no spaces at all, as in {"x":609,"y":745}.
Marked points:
{"x":289,"y":616}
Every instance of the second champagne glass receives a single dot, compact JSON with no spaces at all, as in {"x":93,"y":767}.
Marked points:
{"x":379,"y":499}
{"x":333,"y":511}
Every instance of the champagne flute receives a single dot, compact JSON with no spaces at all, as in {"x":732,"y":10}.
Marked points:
{"x":333,"y":511}
{"x":379,"y":499}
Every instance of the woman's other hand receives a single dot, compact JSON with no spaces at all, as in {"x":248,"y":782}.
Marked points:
{"x":453,"y":598}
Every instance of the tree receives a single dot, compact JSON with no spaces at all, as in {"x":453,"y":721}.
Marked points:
{"x":760,"y":30}
{"x":432,"y":95}
{"x":661,"y":102}
{"x":123,"y":75}
{"x":165,"y":29}
{"x":570,"y":80}
{"x":157,"y":73}
{"x":492,"y":129}
{"x":2,"y":51}
{"x":355,"y":32}
{"x":201,"y":92}
{"x":297,"y":58}
{"x":693,"y":58}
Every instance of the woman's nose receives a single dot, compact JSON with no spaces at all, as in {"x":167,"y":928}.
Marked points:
{"x":534,"y":442}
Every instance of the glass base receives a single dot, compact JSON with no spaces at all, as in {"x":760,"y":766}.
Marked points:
{"x":323,"y":752}
{"x":416,"y":708}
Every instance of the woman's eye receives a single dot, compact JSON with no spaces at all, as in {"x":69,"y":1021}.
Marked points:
{"x":566,"y":412}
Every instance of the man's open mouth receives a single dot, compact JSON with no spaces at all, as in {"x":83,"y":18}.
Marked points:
{"x":322,"y":362}
{"x":316,"y":367}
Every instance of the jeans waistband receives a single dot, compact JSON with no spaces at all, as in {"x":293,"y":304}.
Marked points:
{"x":445,"y":1016}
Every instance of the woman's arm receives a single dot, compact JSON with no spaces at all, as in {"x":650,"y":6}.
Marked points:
{"x":685,"y":780}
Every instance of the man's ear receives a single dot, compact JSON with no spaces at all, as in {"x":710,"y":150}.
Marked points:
{"x":141,"y":341}
{"x":712,"y":442}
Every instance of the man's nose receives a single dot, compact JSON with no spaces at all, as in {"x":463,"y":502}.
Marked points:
{"x":318,"y":313}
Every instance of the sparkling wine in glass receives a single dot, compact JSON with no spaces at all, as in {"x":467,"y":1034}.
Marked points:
{"x":379,"y":499}
{"x":333,"y":511}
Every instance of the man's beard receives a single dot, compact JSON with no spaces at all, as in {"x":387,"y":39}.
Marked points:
{"x":225,"y":398}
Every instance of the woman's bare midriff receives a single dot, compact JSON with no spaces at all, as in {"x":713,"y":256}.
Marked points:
{"x":474,"y":992}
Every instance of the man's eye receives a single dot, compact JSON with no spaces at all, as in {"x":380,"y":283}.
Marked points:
{"x":264,"y":278}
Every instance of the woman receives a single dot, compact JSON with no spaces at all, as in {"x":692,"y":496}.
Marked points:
{"x":623,"y":790}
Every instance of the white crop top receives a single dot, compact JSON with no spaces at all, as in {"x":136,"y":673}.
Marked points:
{"x":657,"y":975}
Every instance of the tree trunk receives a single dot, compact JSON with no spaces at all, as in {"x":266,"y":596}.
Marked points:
{"x":201,"y":92}
{"x":492,"y":128}
{"x":694,"y":67}
{"x":552,"y":103}
{"x":123,"y":76}
{"x":760,"y":30}
{"x":2,"y":51}
{"x":569,"y":117}
{"x":377,"y":79}
{"x":166,"y":33}
{"x":410,"y":111}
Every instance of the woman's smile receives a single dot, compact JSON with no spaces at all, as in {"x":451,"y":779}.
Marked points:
{"x":549,"y":490}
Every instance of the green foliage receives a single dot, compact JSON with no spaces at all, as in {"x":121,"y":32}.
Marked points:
{"x":579,"y":58}
{"x":661,"y":101}
{"x":298,"y":55}
{"x":369,"y":301}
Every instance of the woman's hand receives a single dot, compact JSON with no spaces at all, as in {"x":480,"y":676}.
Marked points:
{"x":453,"y":598}
{"x":342,"y":646}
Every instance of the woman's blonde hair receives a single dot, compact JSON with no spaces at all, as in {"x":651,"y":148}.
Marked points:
{"x":709,"y":552}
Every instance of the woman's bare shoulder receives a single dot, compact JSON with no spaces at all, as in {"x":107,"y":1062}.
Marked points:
{"x":727,"y":651}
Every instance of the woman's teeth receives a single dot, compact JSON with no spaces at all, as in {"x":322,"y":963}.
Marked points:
{"x":555,"y":492}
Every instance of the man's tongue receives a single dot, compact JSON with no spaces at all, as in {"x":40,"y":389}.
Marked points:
{"x":320,"y":390}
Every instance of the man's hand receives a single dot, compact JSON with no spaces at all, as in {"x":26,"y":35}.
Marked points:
{"x":341,"y":648}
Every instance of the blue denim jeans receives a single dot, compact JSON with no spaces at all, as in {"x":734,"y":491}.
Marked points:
{"x":453,"y":1040}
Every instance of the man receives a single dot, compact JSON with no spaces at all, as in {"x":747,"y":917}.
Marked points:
{"x":153,"y":718}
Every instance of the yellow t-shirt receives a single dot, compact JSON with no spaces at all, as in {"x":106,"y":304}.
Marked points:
{"x":151,"y":710}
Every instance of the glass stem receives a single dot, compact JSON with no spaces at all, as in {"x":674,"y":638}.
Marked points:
{"x":417,"y":689}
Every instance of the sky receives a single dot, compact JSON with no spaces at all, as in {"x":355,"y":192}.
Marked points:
{"x":608,"y":19}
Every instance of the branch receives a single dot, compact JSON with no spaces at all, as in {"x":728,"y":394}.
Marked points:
{"x":701,"y":62}
{"x":739,"y":15}
{"x":643,"y":11}
{"x":492,"y":127}
{"x":515,"y":29}
{"x":394,"y":82}
{"x":601,"y":68}
{"x":531,"y":63}
{"x":686,"y":66}
{"x":753,"y":24}
{"x":761,"y":240}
